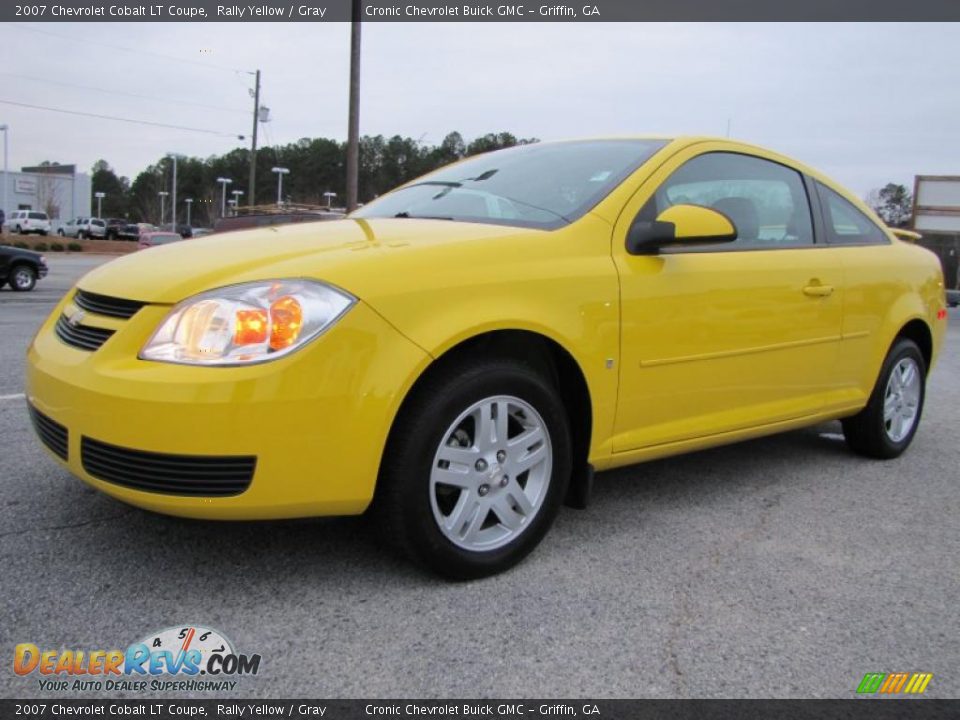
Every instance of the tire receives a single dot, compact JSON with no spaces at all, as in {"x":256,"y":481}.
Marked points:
{"x":43,"y":233}
{"x":435,"y":438}
{"x":20,"y":230}
{"x":60,"y":233}
{"x":886,"y":426}
{"x":22,"y":278}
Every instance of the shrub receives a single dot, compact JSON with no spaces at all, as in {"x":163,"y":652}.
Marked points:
{"x":21,"y":244}
{"x":40,"y":247}
{"x":75,"y":247}
{"x":56,"y":247}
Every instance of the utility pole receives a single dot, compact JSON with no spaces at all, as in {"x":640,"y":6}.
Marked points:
{"x":353,"y":129}
{"x":251,"y":198}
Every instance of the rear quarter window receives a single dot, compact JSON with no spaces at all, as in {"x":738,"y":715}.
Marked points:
{"x":845,"y":223}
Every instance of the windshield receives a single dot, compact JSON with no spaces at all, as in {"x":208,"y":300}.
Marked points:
{"x":541,"y":185}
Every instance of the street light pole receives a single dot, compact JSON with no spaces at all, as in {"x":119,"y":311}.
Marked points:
{"x":163,"y":198}
{"x":223,"y":198}
{"x":99,"y":196}
{"x":236,"y":200}
{"x":189,"y":202}
{"x":173,"y":198}
{"x":6,"y":177}
{"x":280,"y":171}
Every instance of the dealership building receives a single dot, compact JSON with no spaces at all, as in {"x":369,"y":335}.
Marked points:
{"x":58,"y":190}
{"x":936,"y":215}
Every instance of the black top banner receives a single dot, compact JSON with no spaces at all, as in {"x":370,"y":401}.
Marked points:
{"x":443,"y":11}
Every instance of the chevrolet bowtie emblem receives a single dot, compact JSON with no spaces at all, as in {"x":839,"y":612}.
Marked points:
{"x":76,"y":318}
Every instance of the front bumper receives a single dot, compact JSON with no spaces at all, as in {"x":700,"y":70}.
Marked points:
{"x":315,"y":421}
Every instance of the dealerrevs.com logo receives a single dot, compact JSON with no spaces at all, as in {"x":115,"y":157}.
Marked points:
{"x":180,"y":659}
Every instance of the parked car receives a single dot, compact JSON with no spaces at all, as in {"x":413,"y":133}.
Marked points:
{"x":461,"y":353}
{"x":83,"y":227}
{"x":28,"y":221}
{"x":96,"y":228}
{"x":953,"y":298}
{"x":72,"y":228}
{"x":20,"y":268}
{"x":153,"y":239}
{"x":132,"y":231}
{"x":114,"y":225}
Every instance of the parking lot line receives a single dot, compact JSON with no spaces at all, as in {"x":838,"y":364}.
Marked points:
{"x":17,"y":396}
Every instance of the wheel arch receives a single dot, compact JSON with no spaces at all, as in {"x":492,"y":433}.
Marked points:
{"x":545,"y":354}
{"x":919,"y":331}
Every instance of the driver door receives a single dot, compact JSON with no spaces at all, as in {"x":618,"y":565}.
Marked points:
{"x":721,"y":338}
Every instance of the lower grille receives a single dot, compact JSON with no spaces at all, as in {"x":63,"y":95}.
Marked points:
{"x":195,"y":475}
{"x":52,"y":434}
{"x":81,"y":336}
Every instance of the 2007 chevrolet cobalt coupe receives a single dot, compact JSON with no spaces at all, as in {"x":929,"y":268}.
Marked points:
{"x":461,"y":353}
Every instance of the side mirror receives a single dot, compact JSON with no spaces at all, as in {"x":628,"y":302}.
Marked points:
{"x":680,"y":225}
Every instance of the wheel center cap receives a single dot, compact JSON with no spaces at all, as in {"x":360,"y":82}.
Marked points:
{"x":495,"y":475}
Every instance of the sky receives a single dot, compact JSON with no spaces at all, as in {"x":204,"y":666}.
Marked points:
{"x":865,"y":103}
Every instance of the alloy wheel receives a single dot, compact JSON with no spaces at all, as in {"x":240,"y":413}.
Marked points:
{"x":491,"y":473}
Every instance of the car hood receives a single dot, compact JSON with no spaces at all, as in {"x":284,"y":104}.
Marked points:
{"x":360,"y":256}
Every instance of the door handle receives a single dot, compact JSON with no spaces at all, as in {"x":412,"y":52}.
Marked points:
{"x":818,"y":290}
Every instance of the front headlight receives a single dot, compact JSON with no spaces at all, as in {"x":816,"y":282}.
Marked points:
{"x":247,"y":323}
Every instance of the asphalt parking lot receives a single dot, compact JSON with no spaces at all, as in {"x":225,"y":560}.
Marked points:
{"x":783,"y":567}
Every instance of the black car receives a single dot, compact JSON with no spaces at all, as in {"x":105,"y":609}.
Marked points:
{"x":21,"y":268}
{"x":114,"y":227}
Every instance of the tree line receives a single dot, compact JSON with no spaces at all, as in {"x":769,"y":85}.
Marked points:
{"x":317,"y":166}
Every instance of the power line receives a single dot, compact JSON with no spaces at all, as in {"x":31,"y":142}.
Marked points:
{"x":120,"y":92}
{"x":138,"y":51}
{"x":120,"y":119}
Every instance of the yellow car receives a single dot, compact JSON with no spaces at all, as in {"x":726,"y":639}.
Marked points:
{"x":463,"y":352}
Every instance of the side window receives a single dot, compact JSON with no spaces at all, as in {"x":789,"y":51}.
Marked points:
{"x":846,"y":225}
{"x":766,"y":201}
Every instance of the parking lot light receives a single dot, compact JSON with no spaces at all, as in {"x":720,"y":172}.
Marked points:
{"x":223,"y":199}
{"x":163,"y":198}
{"x":280,"y":171}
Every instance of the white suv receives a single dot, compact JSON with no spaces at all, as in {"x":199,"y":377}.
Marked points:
{"x":84,"y":227}
{"x":28,"y":221}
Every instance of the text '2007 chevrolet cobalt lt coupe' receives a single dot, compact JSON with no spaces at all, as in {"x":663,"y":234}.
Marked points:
{"x":461,"y":353}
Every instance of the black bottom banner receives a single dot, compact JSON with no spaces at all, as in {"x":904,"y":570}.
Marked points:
{"x":854,"y":709}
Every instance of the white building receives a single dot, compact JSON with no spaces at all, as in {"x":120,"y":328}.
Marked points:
{"x":58,"y":190}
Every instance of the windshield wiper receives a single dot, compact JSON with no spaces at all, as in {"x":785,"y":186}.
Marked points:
{"x":407,"y":215}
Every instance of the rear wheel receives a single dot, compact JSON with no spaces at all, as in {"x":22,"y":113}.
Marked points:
{"x":22,"y":278}
{"x":886,"y":426}
{"x":476,"y":469}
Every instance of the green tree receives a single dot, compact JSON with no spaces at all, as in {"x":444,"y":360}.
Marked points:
{"x":893,"y":203}
{"x":104,"y":179}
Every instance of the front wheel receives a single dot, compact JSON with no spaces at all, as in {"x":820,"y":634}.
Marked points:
{"x":476,"y":468}
{"x":60,"y":233}
{"x":886,"y":426}
{"x":23,"y":278}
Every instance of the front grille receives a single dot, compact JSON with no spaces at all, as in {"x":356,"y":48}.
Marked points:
{"x":81,"y":336}
{"x":104,"y":305}
{"x":52,"y":434}
{"x":197,"y":475}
